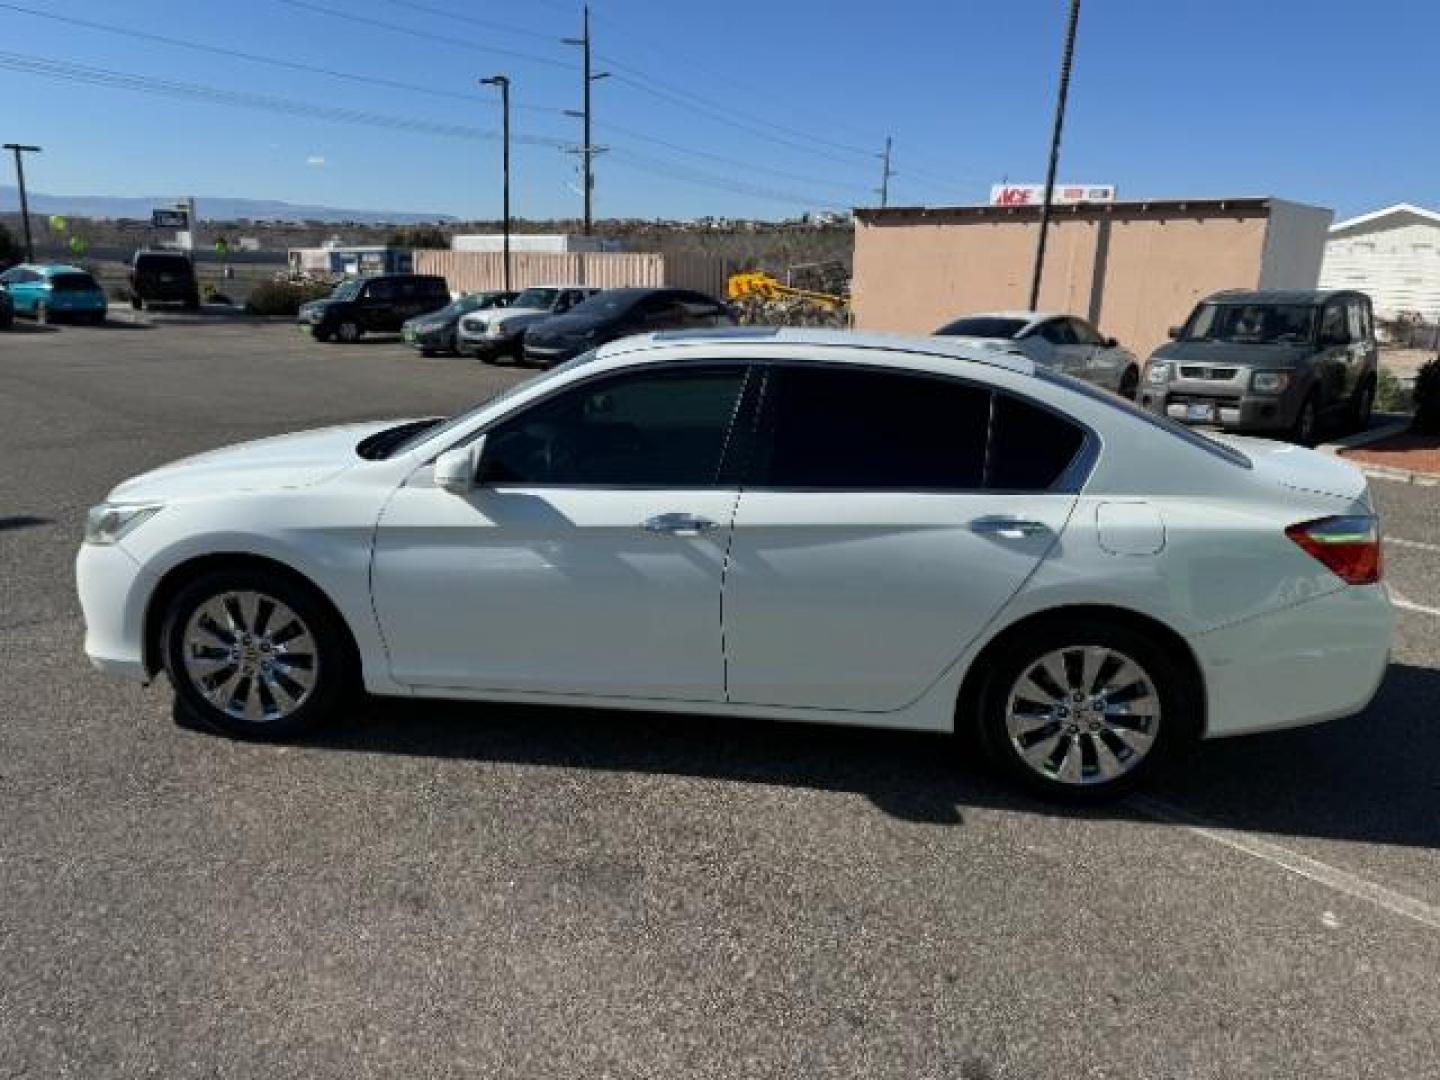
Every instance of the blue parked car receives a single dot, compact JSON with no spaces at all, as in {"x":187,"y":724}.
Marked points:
{"x":60,"y":290}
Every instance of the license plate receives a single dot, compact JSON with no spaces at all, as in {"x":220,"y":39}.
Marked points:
{"x":1204,"y":414}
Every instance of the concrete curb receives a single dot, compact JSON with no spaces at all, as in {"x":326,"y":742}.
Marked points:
{"x":1399,"y":476}
{"x":1392,"y":426}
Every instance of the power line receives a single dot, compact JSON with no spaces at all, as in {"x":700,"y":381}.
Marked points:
{"x":469,"y":20}
{"x":271,"y":61}
{"x":423,"y":35}
{"x":66,"y":71}
{"x":710,"y":180}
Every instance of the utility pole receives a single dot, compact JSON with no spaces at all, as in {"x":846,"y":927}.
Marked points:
{"x":1065,"y":60}
{"x":24,"y":201}
{"x":503,"y":81}
{"x":885,"y":174}
{"x":587,"y":150}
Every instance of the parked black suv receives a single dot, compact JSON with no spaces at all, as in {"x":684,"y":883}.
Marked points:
{"x":166,"y":276}
{"x":378,"y":304}
{"x":617,"y":313}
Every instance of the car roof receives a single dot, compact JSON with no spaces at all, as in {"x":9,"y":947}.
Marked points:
{"x":587,"y":288}
{"x":51,"y":269}
{"x":1277,"y":296}
{"x":794,"y":339}
{"x":1026,"y":316}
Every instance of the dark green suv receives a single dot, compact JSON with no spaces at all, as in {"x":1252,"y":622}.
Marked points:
{"x":378,"y":305}
{"x":1270,"y":363}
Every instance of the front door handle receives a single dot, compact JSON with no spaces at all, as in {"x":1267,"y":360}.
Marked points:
{"x":1008,"y":528}
{"x":678,"y":524}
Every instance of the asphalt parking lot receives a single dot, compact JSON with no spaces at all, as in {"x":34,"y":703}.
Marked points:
{"x":437,"y":890}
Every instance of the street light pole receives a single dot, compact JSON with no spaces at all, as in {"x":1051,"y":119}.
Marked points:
{"x":503,"y":81}
{"x":24,"y":202}
{"x":1065,"y":60}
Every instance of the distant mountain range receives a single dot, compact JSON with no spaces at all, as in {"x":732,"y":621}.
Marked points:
{"x":220,"y":209}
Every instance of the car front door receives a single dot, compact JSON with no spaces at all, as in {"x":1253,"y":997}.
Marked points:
{"x":1104,"y":364}
{"x":888,"y":518}
{"x":1332,"y":362}
{"x":587,"y":560}
{"x":379,"y":306}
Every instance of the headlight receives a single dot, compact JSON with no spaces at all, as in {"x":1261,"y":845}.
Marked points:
{"x":495,"y":329}
{"x":1269,"y":382}
{"x":1159,"y":372}
{"x":108,"y":522}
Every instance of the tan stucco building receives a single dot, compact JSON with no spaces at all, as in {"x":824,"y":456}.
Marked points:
{"x":1134,"y":269}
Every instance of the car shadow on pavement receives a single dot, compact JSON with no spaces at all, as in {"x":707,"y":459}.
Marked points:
{"x":23,"y":521}
{"x":1373,"y":778}
{"x":22,"y":326}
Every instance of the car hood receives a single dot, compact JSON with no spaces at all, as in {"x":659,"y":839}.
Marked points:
{"x":511,"y":314}
{"x":1228,"y":353}
{"x":284,"y":461}
{"x":433,"y":321}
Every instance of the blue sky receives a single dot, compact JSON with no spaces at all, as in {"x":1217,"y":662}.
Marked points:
{"x":762,"y":110}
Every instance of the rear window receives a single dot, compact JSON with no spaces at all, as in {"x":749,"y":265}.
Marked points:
{"x":983,"y":327}
{"x":1174,"y":427}
{"x":73,"y":283}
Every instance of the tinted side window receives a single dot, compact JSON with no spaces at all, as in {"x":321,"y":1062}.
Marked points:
{"x":1058,"y":332}
{"x":866,"y":430}
{"x":660,"y":430}
{"x":380,"y":290}
{"x":1332,"y":324}
{"x":1029,"y":447}
{"x":1084,"y":333}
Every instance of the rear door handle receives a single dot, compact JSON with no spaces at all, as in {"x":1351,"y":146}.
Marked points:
{"x":678,"y":524}
{"x":1008,"y":528}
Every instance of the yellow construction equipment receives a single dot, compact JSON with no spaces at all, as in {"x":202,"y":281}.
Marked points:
{"x":764,"y":287}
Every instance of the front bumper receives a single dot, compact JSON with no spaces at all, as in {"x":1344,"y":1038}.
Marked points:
{"x":1243,"y":411}
{"x":431,"y":339}
{"x":114,"y":592}
{"x":550,"y":354}
{"x":1317,"y":661}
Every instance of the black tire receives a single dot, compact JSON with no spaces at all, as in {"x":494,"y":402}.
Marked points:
{"x":1170,"y":682}
{"x":348,"y":332}
{"x":1130,"y":383}
{"x":1306,"y":429}
{"x":428,"y":352}
{"x":1362,"y":406}
{"x":334,"y":672}
{"x":137,"y":303}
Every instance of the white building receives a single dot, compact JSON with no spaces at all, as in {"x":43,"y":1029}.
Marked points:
{"x":1393,"y":254}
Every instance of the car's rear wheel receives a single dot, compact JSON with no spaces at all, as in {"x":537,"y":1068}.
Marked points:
{"x":255,"y":654}
{"x":1082,"y":711}
{"x":137,"y":303}
{"x":348,"y":332}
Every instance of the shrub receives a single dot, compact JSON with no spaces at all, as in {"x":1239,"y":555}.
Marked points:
{"x":1390,"y":393}
{"x":1427,"y":399}
{"x":282,"y":299}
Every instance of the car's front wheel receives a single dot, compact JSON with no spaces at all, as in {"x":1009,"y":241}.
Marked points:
{"x":255,"y":654}
{"x":348,"y":331}
{"x":1082,"y":711}
{"x":1129,"y":383}
{"x":1363,"y":406}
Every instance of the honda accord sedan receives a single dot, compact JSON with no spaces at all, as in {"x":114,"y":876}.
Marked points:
{"x":803,"y":525}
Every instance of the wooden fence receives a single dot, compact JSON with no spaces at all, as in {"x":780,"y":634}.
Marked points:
{"x":475,"y":271}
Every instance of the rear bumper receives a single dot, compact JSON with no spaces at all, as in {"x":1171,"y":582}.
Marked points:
{"x":1316,"y":661}
{"x":114,"y":592}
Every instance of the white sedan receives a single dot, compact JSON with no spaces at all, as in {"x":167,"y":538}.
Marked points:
{"x":1060,"y":342}
{"x":804,"y":525}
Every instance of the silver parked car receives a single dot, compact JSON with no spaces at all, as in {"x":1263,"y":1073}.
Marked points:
{"x":1272,"y":362}
{"x":1060,"y":342}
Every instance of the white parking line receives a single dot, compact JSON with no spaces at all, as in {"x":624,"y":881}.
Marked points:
{"x":1418,"y":545}
{"x":1405,"y":604}
{"x":1342,"y":881}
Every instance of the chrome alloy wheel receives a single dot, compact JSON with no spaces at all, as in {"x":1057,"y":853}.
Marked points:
{"x":1083,"y":715}
{"x":250,"y":656}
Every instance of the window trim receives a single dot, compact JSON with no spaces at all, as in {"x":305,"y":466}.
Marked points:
{"x":1070,"y":480}
{"x":726,"y":476}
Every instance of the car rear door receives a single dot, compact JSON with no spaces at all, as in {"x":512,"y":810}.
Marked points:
{"x":378,"y":307}
{"x":589,"y":558}
{"x":1333,"y":359}
{"x":886,"y":518}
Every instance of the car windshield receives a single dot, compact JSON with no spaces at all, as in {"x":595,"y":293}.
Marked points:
{"x":607,"y":304}
{"x":348,"y":290}
{"x":459,"y":420}
{"x":536,"y":298}
{"x":1251,"y":324}
{"x":456,"y":308}
{"x":984,"y":326}
{"x":73,"y":283}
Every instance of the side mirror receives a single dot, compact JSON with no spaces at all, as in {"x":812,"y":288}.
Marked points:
{"x":1112,"y":343}
{"x":456,"y":470}
{"x":1174,"y":333}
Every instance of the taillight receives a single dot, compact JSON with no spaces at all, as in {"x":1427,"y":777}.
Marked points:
{"x":1348,"y":546}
